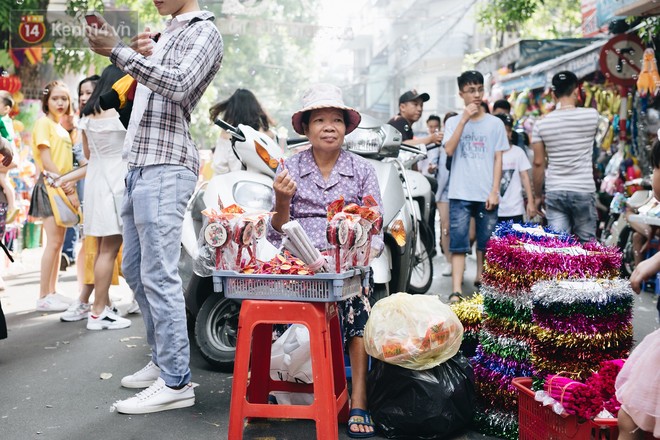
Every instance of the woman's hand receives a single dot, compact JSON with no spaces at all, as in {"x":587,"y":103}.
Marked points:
{"x":73,"y":198}
{"x":67,"y":187}
{"x":284,"y":187}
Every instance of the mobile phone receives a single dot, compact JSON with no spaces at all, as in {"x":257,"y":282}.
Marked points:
{"x":93,"y":20}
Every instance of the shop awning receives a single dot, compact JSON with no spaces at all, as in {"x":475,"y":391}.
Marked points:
{"x":582,"y":62}
{"x":525,"y":53}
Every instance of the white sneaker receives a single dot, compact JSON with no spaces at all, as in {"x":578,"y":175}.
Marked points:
{"x":446,"y":270}
{"x":51,"y":303}
{"x":158,"y":397}
{"x":143,"y":378}
{"x":134,"y":308}
{"x":107,"y":320}
{"x":76,"y":312}
{"x":64,"y":299}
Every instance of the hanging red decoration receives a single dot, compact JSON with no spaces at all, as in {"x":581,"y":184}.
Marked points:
{"x":10,"y":83}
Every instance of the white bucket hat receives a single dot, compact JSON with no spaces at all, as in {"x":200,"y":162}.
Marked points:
{"x":324,"y":96}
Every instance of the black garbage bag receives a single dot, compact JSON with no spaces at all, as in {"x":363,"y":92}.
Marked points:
{"x":425,"y":404}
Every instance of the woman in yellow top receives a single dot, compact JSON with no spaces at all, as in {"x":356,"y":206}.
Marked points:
{"x":52,"y":152}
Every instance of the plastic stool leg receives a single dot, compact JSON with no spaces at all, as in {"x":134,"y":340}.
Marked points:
{"x":240,"y":380}
{"x":324,"y":388}
{"x":258,"y":390}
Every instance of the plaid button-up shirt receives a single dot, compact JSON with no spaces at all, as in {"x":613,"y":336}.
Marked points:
{"x":189,"y":61}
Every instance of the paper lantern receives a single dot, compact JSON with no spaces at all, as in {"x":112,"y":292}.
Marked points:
{"x":10,"y":83}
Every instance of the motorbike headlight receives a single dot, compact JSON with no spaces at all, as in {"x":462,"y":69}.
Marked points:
{"x":365,"y":141}
{"x":253,"y":195}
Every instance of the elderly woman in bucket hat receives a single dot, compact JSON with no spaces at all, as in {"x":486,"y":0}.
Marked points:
{"x":304,"y":187}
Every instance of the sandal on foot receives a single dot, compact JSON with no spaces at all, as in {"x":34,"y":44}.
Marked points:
{"x":357,"y":417}
{"x":454,"y":298}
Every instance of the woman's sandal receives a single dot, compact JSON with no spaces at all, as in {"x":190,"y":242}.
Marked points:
{"x":454,"y":298}
{"x":357,"y":417}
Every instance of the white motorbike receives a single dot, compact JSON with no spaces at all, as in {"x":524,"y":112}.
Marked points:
{"x":420,"y":197}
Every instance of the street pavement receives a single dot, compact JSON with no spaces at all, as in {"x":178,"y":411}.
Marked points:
{"x":50,"y":372}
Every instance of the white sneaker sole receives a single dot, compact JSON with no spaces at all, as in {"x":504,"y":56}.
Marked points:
{"x":137,"y":383}
{"x":102,"y":326}
{"x":72,"y":318}
{"x":52,"y":309}
{"x":185,"y":403}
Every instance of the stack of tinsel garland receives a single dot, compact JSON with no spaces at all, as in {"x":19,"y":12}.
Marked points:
{"x":516,"y":258}
{"x":470,"y":313}
{"x":580,"y":324}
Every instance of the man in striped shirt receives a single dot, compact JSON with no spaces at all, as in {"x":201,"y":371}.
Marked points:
{"x":163,"y":164}
{"x":566,"y":137}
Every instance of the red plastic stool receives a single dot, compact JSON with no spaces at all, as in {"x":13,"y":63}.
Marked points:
{"x":255,"y":327}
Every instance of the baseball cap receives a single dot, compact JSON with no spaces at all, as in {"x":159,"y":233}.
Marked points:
{"x":411,"y":95}
{"x":506,"y":119}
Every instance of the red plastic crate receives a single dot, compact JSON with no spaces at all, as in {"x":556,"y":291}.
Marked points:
{"x":538,"y":422}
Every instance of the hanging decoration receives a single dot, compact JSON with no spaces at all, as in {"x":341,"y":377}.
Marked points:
{"x":10,"y":83}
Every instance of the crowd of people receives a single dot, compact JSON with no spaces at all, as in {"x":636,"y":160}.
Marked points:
{"x":480,"y":176}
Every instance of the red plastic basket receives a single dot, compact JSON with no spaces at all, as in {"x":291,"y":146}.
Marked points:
{"x":538,"y":422}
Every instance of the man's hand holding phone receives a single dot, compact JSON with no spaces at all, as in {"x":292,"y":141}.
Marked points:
{"x":101,"y":36}
{"x":94,"y":20}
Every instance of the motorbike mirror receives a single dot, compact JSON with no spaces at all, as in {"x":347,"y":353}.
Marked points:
{"x":233,"y":131}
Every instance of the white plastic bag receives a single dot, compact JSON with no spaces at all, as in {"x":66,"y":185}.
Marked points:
{"x":417,"y":332}
{"x":291,"y":361}
{"x":290,"y":358}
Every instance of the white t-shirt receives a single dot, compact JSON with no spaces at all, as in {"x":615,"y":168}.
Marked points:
{"x":514,"y":162}
{"x":472,"y":165}
{"x":568,"y":136}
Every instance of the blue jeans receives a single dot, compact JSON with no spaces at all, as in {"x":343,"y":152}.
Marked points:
{"x":460,"y":212}
{"x":572,"y":212}
{"x":152,"y":211}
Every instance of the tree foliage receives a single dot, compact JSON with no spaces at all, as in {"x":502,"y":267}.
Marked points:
{"x":649,"y":28}
{"x":534,"y":19}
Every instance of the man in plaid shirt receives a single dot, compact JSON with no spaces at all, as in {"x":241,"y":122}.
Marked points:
{"x":163,"y":162}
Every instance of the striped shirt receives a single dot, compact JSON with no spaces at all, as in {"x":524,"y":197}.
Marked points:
{"x":568,"y":136}
{"x":176,"y":79}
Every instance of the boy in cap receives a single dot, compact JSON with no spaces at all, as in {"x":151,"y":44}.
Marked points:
{"x":566,"y":136}
{"x":411,"y":105}
{"x":475,"y":141}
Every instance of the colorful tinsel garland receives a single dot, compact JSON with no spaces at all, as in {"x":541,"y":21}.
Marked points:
{"x":503,"y":346}
{"x":496,"y":423}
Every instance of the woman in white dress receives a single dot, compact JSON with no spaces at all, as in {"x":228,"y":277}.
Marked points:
{"x":103,"y":140}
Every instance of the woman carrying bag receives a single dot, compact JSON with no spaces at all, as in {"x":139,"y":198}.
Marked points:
{"x":52,"y":152}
